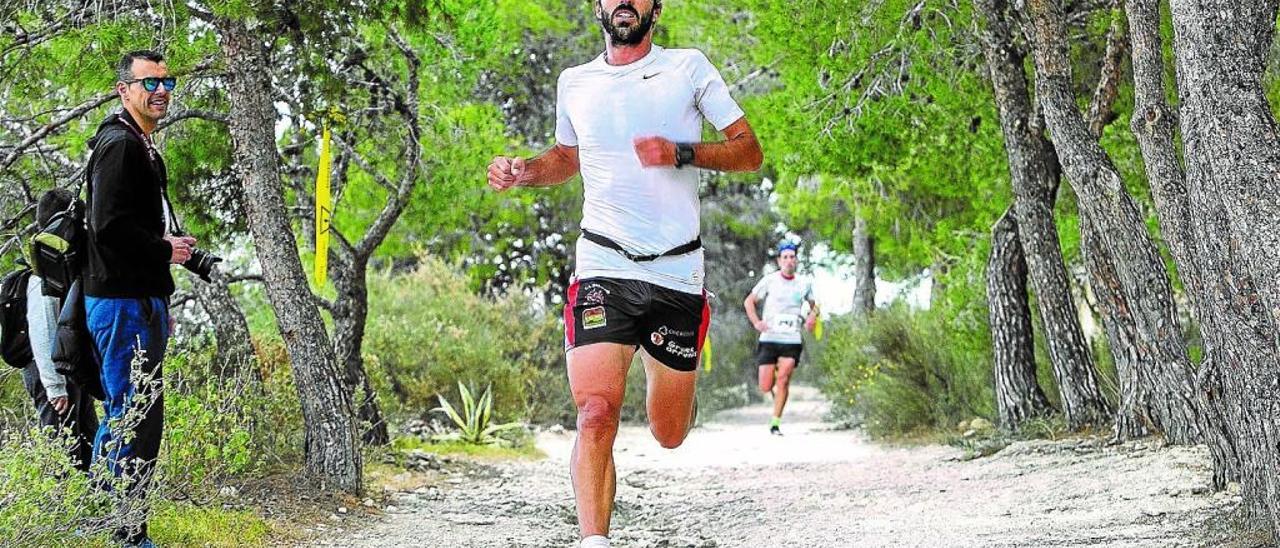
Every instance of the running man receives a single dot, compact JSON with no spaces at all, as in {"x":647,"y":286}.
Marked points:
{"x":629,"y":121}
{"x":780,"y":345}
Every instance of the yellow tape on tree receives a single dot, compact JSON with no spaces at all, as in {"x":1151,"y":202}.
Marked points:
{"x":324,"y":210}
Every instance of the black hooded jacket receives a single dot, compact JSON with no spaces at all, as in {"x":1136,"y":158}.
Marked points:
{"x":128,"y":256}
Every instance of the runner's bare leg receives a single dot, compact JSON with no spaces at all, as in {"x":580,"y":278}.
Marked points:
{"x":669,"y":399}
{"x":766,"y":378}
{"x":598,"y":380}
{"x":782,"y":387}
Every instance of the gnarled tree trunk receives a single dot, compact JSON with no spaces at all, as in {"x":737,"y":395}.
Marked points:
{"x":1153,"y":124}
{"x":1232,"y":158}
{"x":350,"y":316}
{"x":1132,"y":418}
{"x":1018,"y":394}
{"x":1033,"y":170}
{"x":1101,"y":194}
{"x":333,"y":459}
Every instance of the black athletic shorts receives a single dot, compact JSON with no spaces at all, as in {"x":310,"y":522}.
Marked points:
{"x":671,"y":325}
{"x":767,"y":353}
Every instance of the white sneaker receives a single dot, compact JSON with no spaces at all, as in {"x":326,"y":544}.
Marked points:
{"x":595,"y":541}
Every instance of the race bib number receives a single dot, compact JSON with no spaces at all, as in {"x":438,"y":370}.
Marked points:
{"x":785,"y":324}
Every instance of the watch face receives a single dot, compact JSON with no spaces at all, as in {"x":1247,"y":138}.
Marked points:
{"x":684,"y":154}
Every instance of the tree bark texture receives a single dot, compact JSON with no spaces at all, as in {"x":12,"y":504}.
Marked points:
{"x":1232,"y":158}
{"x":1154,"y":124}
{"x":1102,"y":196}
{"x":230,"y":329}
{"x":1131,"y":359}
{"x":1018,"y":394}
{"x":333,"y":459}
{"x":1034,"y":173}
{"x":864,"y":266}
{"x":350,"y":316}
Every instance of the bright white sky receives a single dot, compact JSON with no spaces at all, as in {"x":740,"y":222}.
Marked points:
{"x":833,"y":288}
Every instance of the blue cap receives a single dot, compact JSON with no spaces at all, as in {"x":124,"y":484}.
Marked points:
{"x":788,"y":244}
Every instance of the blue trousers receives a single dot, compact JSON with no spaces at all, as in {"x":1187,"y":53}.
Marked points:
{"x":130,"y":336}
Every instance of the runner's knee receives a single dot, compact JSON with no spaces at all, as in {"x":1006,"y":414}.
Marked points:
{"x":597,"y":414}
{"x":670,"y":437}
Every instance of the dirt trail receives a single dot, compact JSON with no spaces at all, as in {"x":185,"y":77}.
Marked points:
{"x":732,"y":484}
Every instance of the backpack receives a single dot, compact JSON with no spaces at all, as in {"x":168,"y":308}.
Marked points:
{"x":58,"y":250}
{"x":15,"y":341}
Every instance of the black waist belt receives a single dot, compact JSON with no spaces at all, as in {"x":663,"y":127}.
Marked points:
{"x":604,"y":241}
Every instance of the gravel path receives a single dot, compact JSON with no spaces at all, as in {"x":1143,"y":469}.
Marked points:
{"x":732,"y":484}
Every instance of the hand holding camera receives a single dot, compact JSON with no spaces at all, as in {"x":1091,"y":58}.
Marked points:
{"x":182,"y":248}
{"x":199,"y":262}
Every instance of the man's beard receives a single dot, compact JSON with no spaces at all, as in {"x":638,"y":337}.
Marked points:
{"x":626,"y":36}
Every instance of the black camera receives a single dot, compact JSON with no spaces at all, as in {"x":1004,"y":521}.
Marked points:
{"x":202,"y":264}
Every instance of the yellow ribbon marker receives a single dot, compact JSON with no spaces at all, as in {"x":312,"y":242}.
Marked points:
{"x":817,"y":327}
{"x":324,"y":210}
{"x":706,"y":353}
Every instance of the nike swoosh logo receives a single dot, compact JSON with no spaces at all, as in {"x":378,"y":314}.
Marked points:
{"x":648,"y":76}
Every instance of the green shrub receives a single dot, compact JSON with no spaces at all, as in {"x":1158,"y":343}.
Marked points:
{"x":218,"y":429}
{"x":428,"y":331}
{"x":42,"y":496}
{"x":904,"y":371}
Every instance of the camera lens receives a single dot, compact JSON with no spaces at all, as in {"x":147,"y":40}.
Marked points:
{"x":202,"y":263}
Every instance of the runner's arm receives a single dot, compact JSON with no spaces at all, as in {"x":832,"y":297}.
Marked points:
{"x":550,"y":168}
{"x":750,"y":305}
{"x":739,"y":151}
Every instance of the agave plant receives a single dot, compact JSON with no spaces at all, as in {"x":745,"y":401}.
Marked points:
{"x":473,"y":422}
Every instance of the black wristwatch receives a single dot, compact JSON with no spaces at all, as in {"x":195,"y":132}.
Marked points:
{"x":684,"y":154}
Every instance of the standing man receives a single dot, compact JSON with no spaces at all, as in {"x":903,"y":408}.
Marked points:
{"x":629,"y":121}
{"x":127,"y":283}
{"x":780,"y":345}
{"x":60,"y":404}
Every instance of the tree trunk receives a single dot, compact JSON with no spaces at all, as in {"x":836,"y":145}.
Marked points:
{"x":1033,"y":171}
{"x":864,"y":269}
{"x":230,"y":330}
{"x":350,"y":316}
{"x":1232,"y":158}
{"x":1153,"y":125}
{"x":1018,"y":395}
{"x":1101,"y":194}
{"x":1133,"y":420}
{"x":333,"y":459}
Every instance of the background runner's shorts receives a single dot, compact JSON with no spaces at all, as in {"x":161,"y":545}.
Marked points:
{"x":671,"y":325}
{"x":767,"y":353}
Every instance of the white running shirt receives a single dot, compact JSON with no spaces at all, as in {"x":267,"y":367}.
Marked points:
{"x":601,"y":109}
{"x":783,"y":303}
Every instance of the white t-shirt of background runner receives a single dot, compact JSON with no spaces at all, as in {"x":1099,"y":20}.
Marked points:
{"x":602,"y":109}
{"x":783,"y":303}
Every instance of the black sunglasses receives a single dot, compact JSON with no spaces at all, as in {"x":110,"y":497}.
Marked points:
{"x":152,"y":84}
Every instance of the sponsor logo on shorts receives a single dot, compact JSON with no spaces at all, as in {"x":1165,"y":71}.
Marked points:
{"x":664,"y":330}
{"x":656,"y":338}
{"x":595,"y":295}
{"x":593,"y":318}
{"x":687,"y":352}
